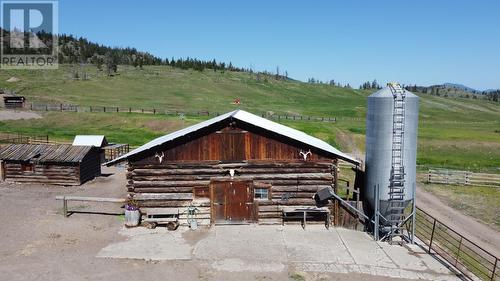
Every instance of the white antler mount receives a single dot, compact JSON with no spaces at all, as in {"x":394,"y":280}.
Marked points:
{"x":305,"y":154}
{"x":160,"y":157}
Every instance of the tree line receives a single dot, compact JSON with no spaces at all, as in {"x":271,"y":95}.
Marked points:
{"x":73,"y":50}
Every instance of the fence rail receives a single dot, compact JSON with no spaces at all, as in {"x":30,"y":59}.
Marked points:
{"x":443,"y":176}
{"x":469,"y":258}
{"x":158,"y":111}
{"x":7,"y":138}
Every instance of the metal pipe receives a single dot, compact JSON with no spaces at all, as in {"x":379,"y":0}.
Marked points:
{"x":432,"y":236}
{"x":494,"y":269}
{"x":414,"y":213}
{"x":376,"y":226}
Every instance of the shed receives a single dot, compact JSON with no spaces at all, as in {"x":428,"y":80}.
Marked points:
{"x":98,"y":141}
{"x":235,"y":168}
{"x":49,"y":164}
{"x":13,"y":101}
{"x":90,"y":140}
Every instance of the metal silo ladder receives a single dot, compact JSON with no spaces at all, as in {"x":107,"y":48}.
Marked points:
{"x":396,"y":204}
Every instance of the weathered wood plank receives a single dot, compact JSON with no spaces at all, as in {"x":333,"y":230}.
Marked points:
{"x":91,"y":199}
{"x":163,"y":196}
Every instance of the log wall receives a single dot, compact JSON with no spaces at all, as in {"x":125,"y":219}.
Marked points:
{"x":179,"y":184}
{"x":42,"y":173}
{"x":54,"y":173}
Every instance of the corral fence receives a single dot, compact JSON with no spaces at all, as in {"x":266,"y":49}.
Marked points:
{"x":9,"y":138}
{"x":469,"y":258}
{"x":455,"y":177}
{"x":158,"y":111}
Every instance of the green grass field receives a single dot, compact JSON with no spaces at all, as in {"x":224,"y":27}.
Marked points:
{"x":453,"y":132}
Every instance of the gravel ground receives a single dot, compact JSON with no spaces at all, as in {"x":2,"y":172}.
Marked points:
{"x":16,"y":115}
{"x":38,"y":243}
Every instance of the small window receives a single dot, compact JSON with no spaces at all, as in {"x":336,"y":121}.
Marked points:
{"x":26,"y":167}
{"x":261,"y":193}
{"x":201,"y":192}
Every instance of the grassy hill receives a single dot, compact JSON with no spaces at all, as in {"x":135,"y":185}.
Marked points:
{"x":453,"y":132}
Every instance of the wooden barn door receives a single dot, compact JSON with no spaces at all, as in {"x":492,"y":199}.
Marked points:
{"x":232,"y":202}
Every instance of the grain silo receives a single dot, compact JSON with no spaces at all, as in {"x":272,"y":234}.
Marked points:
{"x":391,"y":149}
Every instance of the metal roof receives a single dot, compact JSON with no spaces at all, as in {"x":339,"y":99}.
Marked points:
{"x":90,"y":140}
{"x":249,"y":118}
{"x":44,"y":152}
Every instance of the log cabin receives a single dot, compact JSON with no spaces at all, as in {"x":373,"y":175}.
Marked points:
{"x":234,"y":168}
{"x":49,"y":164}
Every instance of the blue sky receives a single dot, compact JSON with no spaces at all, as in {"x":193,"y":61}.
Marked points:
{"x":424,"y":42}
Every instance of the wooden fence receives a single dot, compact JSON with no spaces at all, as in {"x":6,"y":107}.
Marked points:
{"x":455,"y":177}
{"x":158,"y":111}
{"x":8,"y":138}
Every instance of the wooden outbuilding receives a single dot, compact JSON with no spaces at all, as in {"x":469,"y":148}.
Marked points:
{"x":98,"y":141}
{"x":13,"y":101}
{"x":234,"y":168}
{"x":49,"y":164}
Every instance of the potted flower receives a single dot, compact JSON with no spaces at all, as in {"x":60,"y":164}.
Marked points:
{"x":132,"y":214}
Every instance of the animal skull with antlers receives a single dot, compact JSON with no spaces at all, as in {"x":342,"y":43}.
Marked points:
{"x":160,"y":157}
{"x":305,"y":154}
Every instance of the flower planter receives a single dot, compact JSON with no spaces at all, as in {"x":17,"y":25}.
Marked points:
{"x":132,"y":216}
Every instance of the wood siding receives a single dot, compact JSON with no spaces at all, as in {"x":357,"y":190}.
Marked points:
{"x":90,"y":167}
{"x":232,"y":145}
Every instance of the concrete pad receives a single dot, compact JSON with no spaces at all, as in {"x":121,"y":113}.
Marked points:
{"x":246,"y":242}
{"x":149,"y":244}
{"x":276,"y":250}
{"x":363,"y":249}
{"x":239,"y":265}
{"x":315,"y":244}
{"x":403,"y":258}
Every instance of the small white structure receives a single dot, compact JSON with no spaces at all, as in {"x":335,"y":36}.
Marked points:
{"x":90,"y":140}
{"x":98,"y":141}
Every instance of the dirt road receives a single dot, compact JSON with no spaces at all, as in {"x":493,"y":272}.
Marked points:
{"x":16,"y":115}
{"x":484,"y":236}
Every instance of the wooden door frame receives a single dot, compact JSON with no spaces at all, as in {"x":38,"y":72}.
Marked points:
{"x":2,"y":170}
{"x":212,"y":195}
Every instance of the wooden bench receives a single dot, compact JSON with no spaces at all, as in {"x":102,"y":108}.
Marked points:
{"x":155,"y":216}
{"x":306,"y":213}
{"x":65,"y":200}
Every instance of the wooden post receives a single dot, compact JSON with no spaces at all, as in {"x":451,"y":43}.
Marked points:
{"x":65,"y":207}
{"x":336,"y":207}
{"x":2,"y":170}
